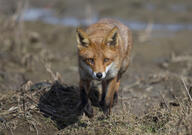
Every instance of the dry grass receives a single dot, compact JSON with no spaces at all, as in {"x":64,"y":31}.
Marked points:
{"x":53,"y":104}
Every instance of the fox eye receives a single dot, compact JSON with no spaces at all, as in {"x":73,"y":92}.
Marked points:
{"x":106,"y":59}
{"x":90,"y":60}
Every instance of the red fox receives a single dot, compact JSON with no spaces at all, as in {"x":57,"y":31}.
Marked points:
{"x":103,"y":54}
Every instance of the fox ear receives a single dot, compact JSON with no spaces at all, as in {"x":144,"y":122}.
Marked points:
{"x":112,"y":38}
{"x":82,"y":38}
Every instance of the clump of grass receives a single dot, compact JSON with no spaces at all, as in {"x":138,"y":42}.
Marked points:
{"x":154,"y":121}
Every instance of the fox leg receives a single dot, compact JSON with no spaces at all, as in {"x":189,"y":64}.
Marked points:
{"x":109,"y":89}
{"x":115,"y":97}
{"x":84,"y":95}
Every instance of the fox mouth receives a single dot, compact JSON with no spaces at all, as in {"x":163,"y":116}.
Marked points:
{"x":99,"y":79}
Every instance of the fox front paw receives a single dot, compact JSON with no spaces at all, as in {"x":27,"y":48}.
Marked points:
{"x":104,"y":107}
{"x":88,"y":110}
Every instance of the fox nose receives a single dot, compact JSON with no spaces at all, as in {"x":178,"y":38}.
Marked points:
{"x":99,"y":75}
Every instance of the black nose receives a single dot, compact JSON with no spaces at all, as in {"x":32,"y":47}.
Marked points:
{"x":99,"y":75}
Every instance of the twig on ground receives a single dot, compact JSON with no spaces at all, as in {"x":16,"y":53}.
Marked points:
{"x":7,"y":126}
{"x":186,"y":88}
{"x":33,"y":122}
{"x":164,"y":101}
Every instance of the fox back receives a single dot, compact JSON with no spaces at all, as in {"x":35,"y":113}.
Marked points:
{"x":104,"y":50}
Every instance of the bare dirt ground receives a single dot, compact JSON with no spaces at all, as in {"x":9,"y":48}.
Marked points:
{"x":155,"y":93}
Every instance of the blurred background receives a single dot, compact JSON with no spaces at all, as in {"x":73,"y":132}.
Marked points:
{"x":135,"y":13}
{"x":38,"y":37}
{"x":35,"y":32}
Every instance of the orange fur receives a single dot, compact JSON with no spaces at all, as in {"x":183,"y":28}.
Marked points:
{"x":104,"y":55}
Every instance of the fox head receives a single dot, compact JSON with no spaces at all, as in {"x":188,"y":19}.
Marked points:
{"x":97,"y":56}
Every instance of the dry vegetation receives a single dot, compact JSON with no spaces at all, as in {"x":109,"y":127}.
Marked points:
{"x":49,"y":107}
{"x":155,"y":95}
